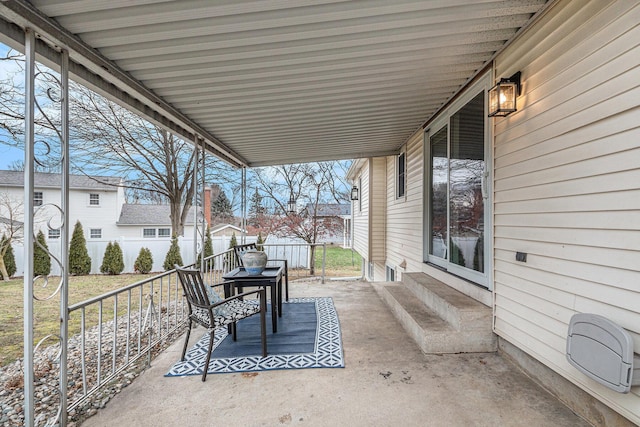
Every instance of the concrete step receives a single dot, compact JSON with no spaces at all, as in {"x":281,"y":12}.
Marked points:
{"x":458,"y":309}
{"x":432,"y":331}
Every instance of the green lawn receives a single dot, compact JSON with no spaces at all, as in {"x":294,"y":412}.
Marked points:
{"x":339,"y":262}
{"x":46,"y":313}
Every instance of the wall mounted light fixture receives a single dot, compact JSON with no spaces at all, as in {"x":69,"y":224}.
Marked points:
{"x":354,"y":193}
{"x":291,"y":206}
{"x":502,"y":97}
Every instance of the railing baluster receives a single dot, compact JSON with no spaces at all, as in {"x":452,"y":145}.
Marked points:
{"x":83,"y":363}
{"x":99,"y":340}
{"x":115,"y":334}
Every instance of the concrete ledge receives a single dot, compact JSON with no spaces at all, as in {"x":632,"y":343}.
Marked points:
{"x":576,"y":399}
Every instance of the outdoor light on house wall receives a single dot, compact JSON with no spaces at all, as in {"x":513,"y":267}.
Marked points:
{"x":502,"y":97}
{"x":354,"y":193}
{"x":291,"y":206}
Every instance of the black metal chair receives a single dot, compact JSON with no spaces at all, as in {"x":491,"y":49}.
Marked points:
{"x":241,"y":249}
{"x":208,"y":309}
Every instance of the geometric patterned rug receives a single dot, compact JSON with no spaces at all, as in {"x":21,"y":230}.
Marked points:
{"x":324,"y":350}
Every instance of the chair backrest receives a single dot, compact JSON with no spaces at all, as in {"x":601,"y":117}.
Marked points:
{"x":193,"y":286}
{"x":241,"y":249}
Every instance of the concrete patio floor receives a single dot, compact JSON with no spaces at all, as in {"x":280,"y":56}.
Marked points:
{"x":387,"y":381}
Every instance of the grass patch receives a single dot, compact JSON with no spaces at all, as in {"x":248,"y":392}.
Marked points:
{"x":46,"y":313}
{"x":339,"y":262}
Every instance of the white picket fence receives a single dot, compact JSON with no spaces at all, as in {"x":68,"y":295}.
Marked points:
{"x":296,"y":252}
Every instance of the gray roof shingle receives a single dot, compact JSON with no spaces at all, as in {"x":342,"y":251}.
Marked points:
{"x":141,"y":214}
{"x":331,"y":209}
{"x":53,"y":180}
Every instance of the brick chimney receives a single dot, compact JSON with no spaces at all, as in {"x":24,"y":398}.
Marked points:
{"x":207,"y":205}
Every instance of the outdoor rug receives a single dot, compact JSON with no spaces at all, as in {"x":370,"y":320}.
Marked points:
{"x":308,"y":337}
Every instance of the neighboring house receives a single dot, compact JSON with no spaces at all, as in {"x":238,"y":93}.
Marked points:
{"x":469,"y":196}
{"x":226,"y":230}
{"x":150,"y":221}
{"x":337,"y":219}
{"x":96,"y":202}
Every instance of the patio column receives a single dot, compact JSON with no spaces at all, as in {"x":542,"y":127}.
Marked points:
{"x":64,"y":233}
{"x":243,"y":192}
{"x":29,"y":82}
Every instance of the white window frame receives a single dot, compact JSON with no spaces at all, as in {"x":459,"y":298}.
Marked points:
{"x":161,"y":235}
{"x":391,"y":274}
{"x":94,"y":197}
{"x":401,"y":177}
{"x":360,"y":195}
{"x":38,"y":198}
{"x":95,"y":233}
{"x":484,"y":279}
{"x":149,"y":233}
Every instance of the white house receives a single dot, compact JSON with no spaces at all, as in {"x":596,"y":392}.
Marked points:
{"x":96,"y":202}
{"x":536,"y":215}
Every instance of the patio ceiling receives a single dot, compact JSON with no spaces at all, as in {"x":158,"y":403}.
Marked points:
{"x":279,"y":81}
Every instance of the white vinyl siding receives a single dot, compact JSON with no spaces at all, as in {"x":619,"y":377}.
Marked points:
{"x":567,"y":184}
{"x":361,"y":216}
{"x":377,"y":210}
{"x":405,"y":216}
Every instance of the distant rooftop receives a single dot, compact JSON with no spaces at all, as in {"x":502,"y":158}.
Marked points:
{"x":141,"y":214}
{"x":53,"y":180}
{"x":330,"y":209}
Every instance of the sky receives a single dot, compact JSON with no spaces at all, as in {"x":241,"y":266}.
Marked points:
{"x":8,"y":154}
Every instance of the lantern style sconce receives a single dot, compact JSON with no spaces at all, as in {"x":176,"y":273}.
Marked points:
{"x":502,"y":97}
{"x":291,"y":206}
{"x":354,"y":193}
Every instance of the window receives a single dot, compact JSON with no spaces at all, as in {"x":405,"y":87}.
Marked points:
{"x":95,"y":233}
{"x":164,"y":232}
{"x":361,"y":194}
{"x":401,"y":178}
{"x":149,"y":233}
{"x":456,"y":190}
{"x":391,"y":274}
{"x":54,"y":234}
{"x":38,"y":198}
{"x":94,"y":199}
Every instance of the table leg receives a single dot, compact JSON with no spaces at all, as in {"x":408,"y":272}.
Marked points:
{"x":274,"y":308}
{"x":286,"y":278}
{"x":279,"y":285}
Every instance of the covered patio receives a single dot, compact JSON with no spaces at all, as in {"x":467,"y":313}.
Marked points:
{"x":260,"y":83}
{"x":387,"y":381}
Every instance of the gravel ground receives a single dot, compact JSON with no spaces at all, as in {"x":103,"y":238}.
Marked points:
{"x":47,"y":371}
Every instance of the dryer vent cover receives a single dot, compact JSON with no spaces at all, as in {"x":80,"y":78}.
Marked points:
{"x":603,"y":351}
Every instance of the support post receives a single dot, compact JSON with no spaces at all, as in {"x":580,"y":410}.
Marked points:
{"x":205,"y":221}
{"x":64,"y":249}
{"x":29,"y":85}
{"x":195,"y":197}
{"x":244,"y":206}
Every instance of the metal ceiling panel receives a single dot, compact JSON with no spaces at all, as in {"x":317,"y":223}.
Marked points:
{"x":280,"y":81}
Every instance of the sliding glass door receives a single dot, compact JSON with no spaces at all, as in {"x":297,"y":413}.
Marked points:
{"x":457,"y":196}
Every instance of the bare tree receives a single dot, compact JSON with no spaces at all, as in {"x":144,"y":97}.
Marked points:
{"x":156,"y":165}
{"x":310,"y":185}
{"x":11,"y":227}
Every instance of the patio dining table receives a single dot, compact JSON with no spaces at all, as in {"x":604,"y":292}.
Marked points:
{"x":271,"y":277}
